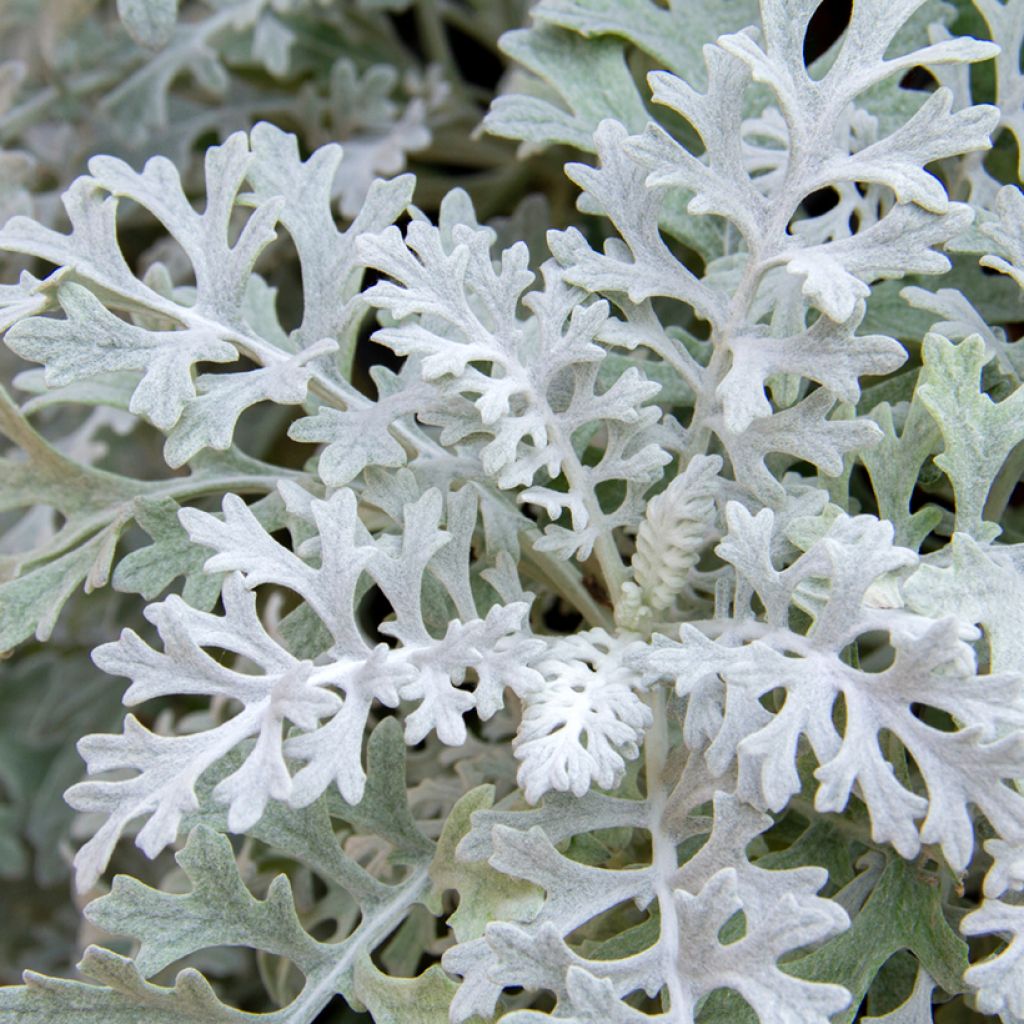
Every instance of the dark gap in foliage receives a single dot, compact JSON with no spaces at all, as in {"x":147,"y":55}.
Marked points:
{"x":919,"y":79}
{"x":684,"y":253}
{"x":476,"y":63}
{"x":450,"y":171}
{"x":893,"y":984}
{"x":935,"y":718}
{"x":531,"y":512}
{"x":772,"y":700}
{"x":983,"y":652}
{"x":1001,"y":160}
{"x":839,"y":714}
{"x":874,"y":651}
{"x":38,"y":266}
{"x":861,"y":1009}
{"x":281,"y":268}
{"x":337,"y":1011}
{"x":408,"y":31}
{"x":560,"y":617}
{"x":827,"y":24}
{"x":323,"y":931}
{"x":261,"y":431}
{"x":610,"y":494}
{"x":275,"y":603}
{"x":820,"y":201}
{"x":283,"y":537}
{"x":205,"y":140}
{"x":374,"y":608}
{"x":1013,"y":522}
{"x":788,"y":828}
{"x":700,"y":329}
{"x":933,"y":487}
{"x":318,"y":887}
{"x":979,"y":948}
{"x":423,"y":745}
{"x":368,"y":356}
{"x":426,"y":961}
{"x":243,"y":364}
{"x":470,"y":717}
{"x":367,"y":352}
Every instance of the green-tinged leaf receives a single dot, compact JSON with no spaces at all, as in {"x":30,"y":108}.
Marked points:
{"x":982,"y":585}
{"x":484,"y":894}
{"x":46,"y":476}
{"x":30,"y":604}
{"x":91,"y":341}
{"x":384,"y":809}
{"x":149,"y":22}
{"x":904,"y":911}
{"x":673,"y":34}
{"x":820,"y":843}
{"x":120,"y":996}
{"x":35,"y":584}
{"x":424,"y":999}
{"x":590,"y":78}
{"x":219,"y":910}
{"x":305,"y":834}
{"x":41,"y":719}
{"x":978,"y":433}
{"x":151,"y":569}
{"x":894,"y":465}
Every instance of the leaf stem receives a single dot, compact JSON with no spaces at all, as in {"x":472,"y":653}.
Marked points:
{"x":664,"y":858}
{"x":374,"y":928}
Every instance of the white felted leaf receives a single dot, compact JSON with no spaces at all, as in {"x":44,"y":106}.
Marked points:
{"x":328,"y":700}
{"x":581,"y":718}
{"x":102,"y":330}
{"x":459,"y":308}
{"x":998,"y":982}
{"x":673,"y":532}
{"x":695,"y":901}
{"x":932,"y":667}
{"x":978,"y":433}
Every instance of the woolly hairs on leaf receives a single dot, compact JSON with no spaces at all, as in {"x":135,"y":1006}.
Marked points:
{"x":564,"y":568}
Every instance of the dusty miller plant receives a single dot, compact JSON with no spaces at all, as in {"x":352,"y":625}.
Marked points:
{"x":640,"y":640}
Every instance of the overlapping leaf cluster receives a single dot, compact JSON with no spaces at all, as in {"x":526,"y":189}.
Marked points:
{"x":639,"y":638}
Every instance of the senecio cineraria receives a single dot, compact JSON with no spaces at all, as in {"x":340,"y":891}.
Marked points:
{"x":637,"y":636}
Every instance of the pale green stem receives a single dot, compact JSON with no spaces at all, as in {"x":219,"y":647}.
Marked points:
{"x":376,"y":925}
{"x":664,"y":858}
{"x":435,"y":40}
